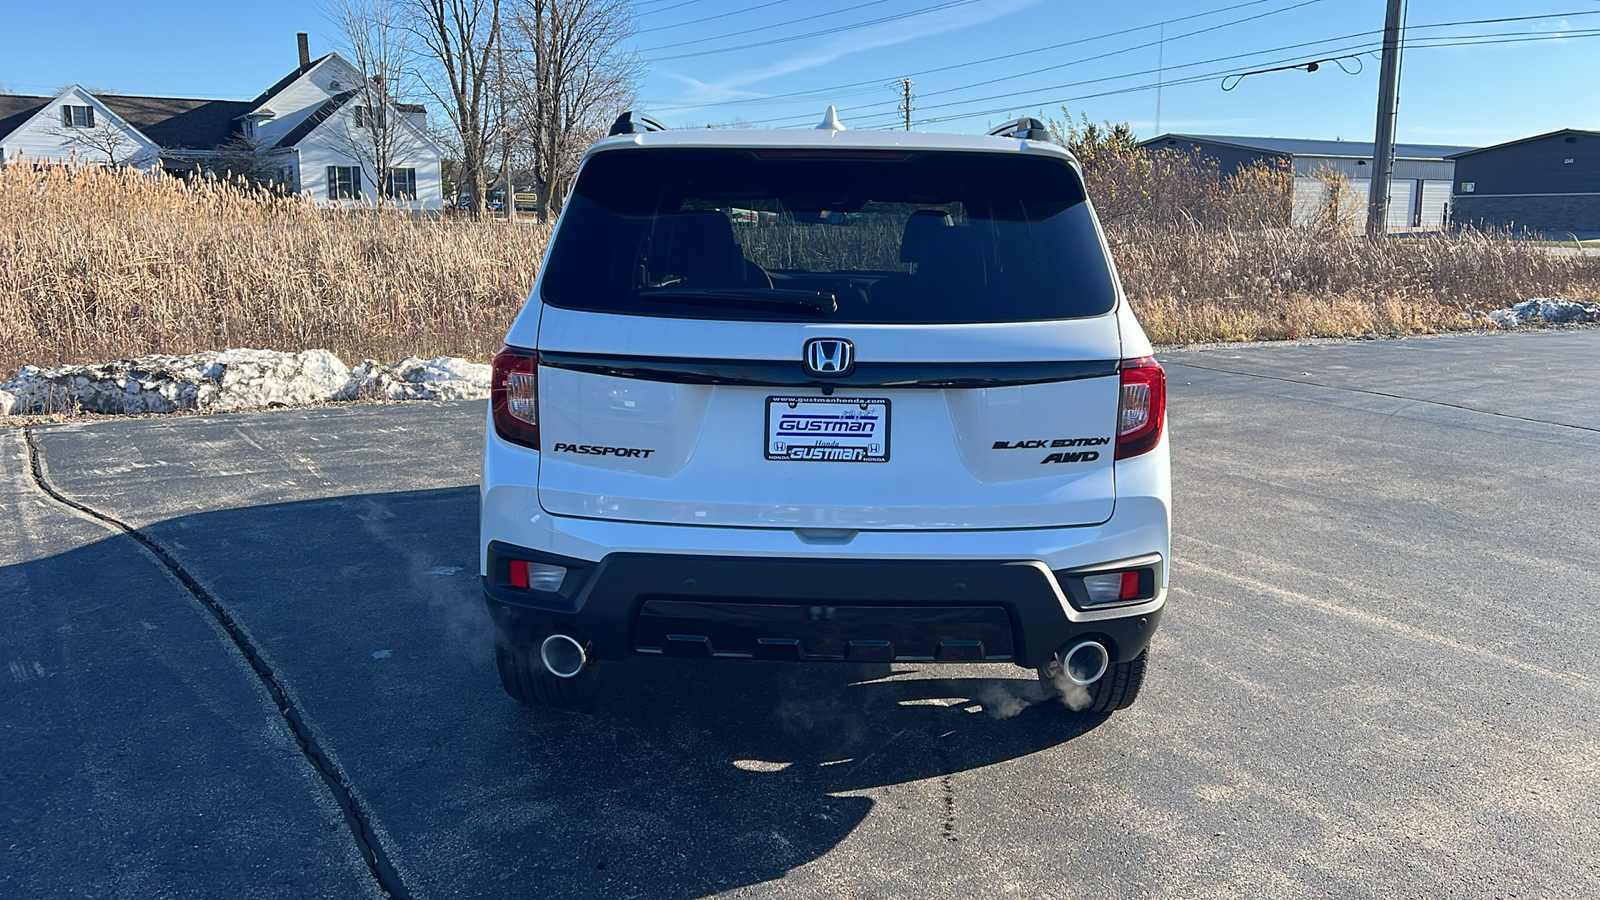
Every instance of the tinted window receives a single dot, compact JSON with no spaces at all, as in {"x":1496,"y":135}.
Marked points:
{"x":864,"y":236}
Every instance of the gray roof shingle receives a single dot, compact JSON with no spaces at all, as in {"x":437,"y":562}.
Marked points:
{"x":178,"y":124}
{"x":16,"y":109}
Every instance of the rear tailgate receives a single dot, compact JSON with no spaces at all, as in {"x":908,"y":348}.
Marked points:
{"x":965,"y":426}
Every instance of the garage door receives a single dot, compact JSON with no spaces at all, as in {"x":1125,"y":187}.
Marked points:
{"x":1435,"y":205}
{"x":1402,"y":203}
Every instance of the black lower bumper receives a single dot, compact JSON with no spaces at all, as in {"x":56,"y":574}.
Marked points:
{"x":803,"y":609}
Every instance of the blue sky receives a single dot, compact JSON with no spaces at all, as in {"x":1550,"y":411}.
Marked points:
{"x":975,"y":62}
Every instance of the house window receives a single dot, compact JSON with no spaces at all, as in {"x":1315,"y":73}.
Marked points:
{"x":344,"y":182}
{"x":77,"y":116}
{"x":366,"y":119}
{"x":402,"y":184}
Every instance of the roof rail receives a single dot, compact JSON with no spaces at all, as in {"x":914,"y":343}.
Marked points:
{"x":1026,"y":128}
{"x":628,"y":123}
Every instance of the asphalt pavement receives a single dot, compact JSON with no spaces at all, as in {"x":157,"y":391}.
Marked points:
{"x":245,"y":655}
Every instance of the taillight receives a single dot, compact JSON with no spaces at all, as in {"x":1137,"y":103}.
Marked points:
{"x":1142,"y":408}
{"x":514,"y":393}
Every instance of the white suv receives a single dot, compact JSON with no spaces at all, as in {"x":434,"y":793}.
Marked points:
{"x":827,"y":395}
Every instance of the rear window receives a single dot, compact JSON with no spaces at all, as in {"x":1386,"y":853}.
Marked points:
{"x":856,"y":236}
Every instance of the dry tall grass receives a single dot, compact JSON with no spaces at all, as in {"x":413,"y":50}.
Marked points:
{"x":98,"y":265}
{"x":1206,"y":257}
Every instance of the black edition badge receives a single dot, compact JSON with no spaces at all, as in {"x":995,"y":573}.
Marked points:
{"x":1052,"y":443}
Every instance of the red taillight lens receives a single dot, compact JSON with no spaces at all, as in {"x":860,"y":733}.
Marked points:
{"x":1142,"y":408}
{"x":514,"y":393}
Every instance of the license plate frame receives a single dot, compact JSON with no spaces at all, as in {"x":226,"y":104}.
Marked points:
{"x":838,"y":429}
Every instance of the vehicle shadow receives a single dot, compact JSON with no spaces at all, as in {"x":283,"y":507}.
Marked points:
{"x":680,"y":779}
{"x":685,"y":778}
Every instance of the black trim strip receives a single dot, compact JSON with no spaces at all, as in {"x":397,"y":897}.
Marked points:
{"x":789,"y":373}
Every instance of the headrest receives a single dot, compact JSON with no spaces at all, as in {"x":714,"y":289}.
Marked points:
{"x":952,"y":256}
{"x":698,"y":246}
{"x":919,"y":225}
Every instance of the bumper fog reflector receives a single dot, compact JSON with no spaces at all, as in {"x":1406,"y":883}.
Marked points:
{"x":536,"y":576}
{"x":1105,"y":588}
{"x":545,"y":578}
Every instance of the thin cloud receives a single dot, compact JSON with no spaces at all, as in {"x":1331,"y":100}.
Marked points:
{"x":836,"y":47}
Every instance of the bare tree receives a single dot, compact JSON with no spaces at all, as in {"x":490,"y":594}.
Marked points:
{"x":377,"y":37}
{"x":251,"y":160}
{"x":575,"y":77}
{"x":104,"y":141}
{"x":458,"y":38}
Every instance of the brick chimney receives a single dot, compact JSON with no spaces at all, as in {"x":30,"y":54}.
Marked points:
{"x":305,"y":50}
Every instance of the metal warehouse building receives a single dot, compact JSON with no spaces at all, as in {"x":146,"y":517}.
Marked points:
{"x":1548,"y":182}
{"x":1419,"y":191}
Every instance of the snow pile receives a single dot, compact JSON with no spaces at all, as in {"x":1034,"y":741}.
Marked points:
{"x":1548,"y":310}
{"x":228,"y":380}
{"x":445,"y":378}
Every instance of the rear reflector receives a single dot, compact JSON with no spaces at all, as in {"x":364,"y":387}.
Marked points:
{"x":1130,"y":586}
{"x":1120,"y":587}
{"x":1142,"y":409}
{"x":514,"y":395}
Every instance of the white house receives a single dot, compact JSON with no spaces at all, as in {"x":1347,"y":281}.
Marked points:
{"x":316,"y":132}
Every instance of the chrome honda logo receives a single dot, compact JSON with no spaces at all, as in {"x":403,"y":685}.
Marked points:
{"x":829,"y":357}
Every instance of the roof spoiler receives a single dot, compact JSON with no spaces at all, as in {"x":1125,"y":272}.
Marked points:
{"x":627,"y":123}
{"x":1025,"y":128}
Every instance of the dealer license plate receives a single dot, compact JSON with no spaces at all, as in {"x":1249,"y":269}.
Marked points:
{"x":828,"y":429}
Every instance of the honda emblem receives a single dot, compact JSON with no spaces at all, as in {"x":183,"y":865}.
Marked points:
{"x":829,"y":357}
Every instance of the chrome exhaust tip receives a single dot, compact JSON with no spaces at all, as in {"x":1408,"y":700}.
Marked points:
{"x":1085,"y":662}
{"x":563,"y":656}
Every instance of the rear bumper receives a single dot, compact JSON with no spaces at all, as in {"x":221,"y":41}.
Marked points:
{"x":858,"y":610}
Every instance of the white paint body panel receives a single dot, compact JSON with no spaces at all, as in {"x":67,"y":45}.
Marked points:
{"x":945,"y":493}
{"x":707,"y":464}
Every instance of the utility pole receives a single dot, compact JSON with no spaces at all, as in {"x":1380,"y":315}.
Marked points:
{"x":905,"y":104}
{"x":1383,"y":144}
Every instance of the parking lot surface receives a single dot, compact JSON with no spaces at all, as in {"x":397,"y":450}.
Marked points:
{"x":246,"y":655}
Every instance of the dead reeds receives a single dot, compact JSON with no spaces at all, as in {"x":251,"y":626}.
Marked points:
{"x":97,"y":264}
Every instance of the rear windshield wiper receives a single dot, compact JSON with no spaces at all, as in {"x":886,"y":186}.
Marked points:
{"x":822,"y":303}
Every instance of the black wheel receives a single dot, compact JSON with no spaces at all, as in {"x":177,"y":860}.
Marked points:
{"x":1116,"y":689}
{"x":526,"y":679}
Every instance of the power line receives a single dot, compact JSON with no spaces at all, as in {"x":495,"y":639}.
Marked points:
{"x":722,"y":15}
{"x":825,"y":91}
{"x":1118,"y":77}
{"x":1439,"y":41}
{"x":1109,"y":54}
{"x":1500,"y":20}
{"x":651,"y":12}
{"x":730,"y":34}
{"x":950,"y":4}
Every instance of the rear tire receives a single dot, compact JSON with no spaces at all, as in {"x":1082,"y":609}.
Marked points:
{"x":1116,"y":689}
{"x":526,"y":679}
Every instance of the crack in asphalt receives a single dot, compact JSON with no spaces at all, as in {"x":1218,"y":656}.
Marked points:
{"x":1353,"y":390}
{"x":357,"y":819}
